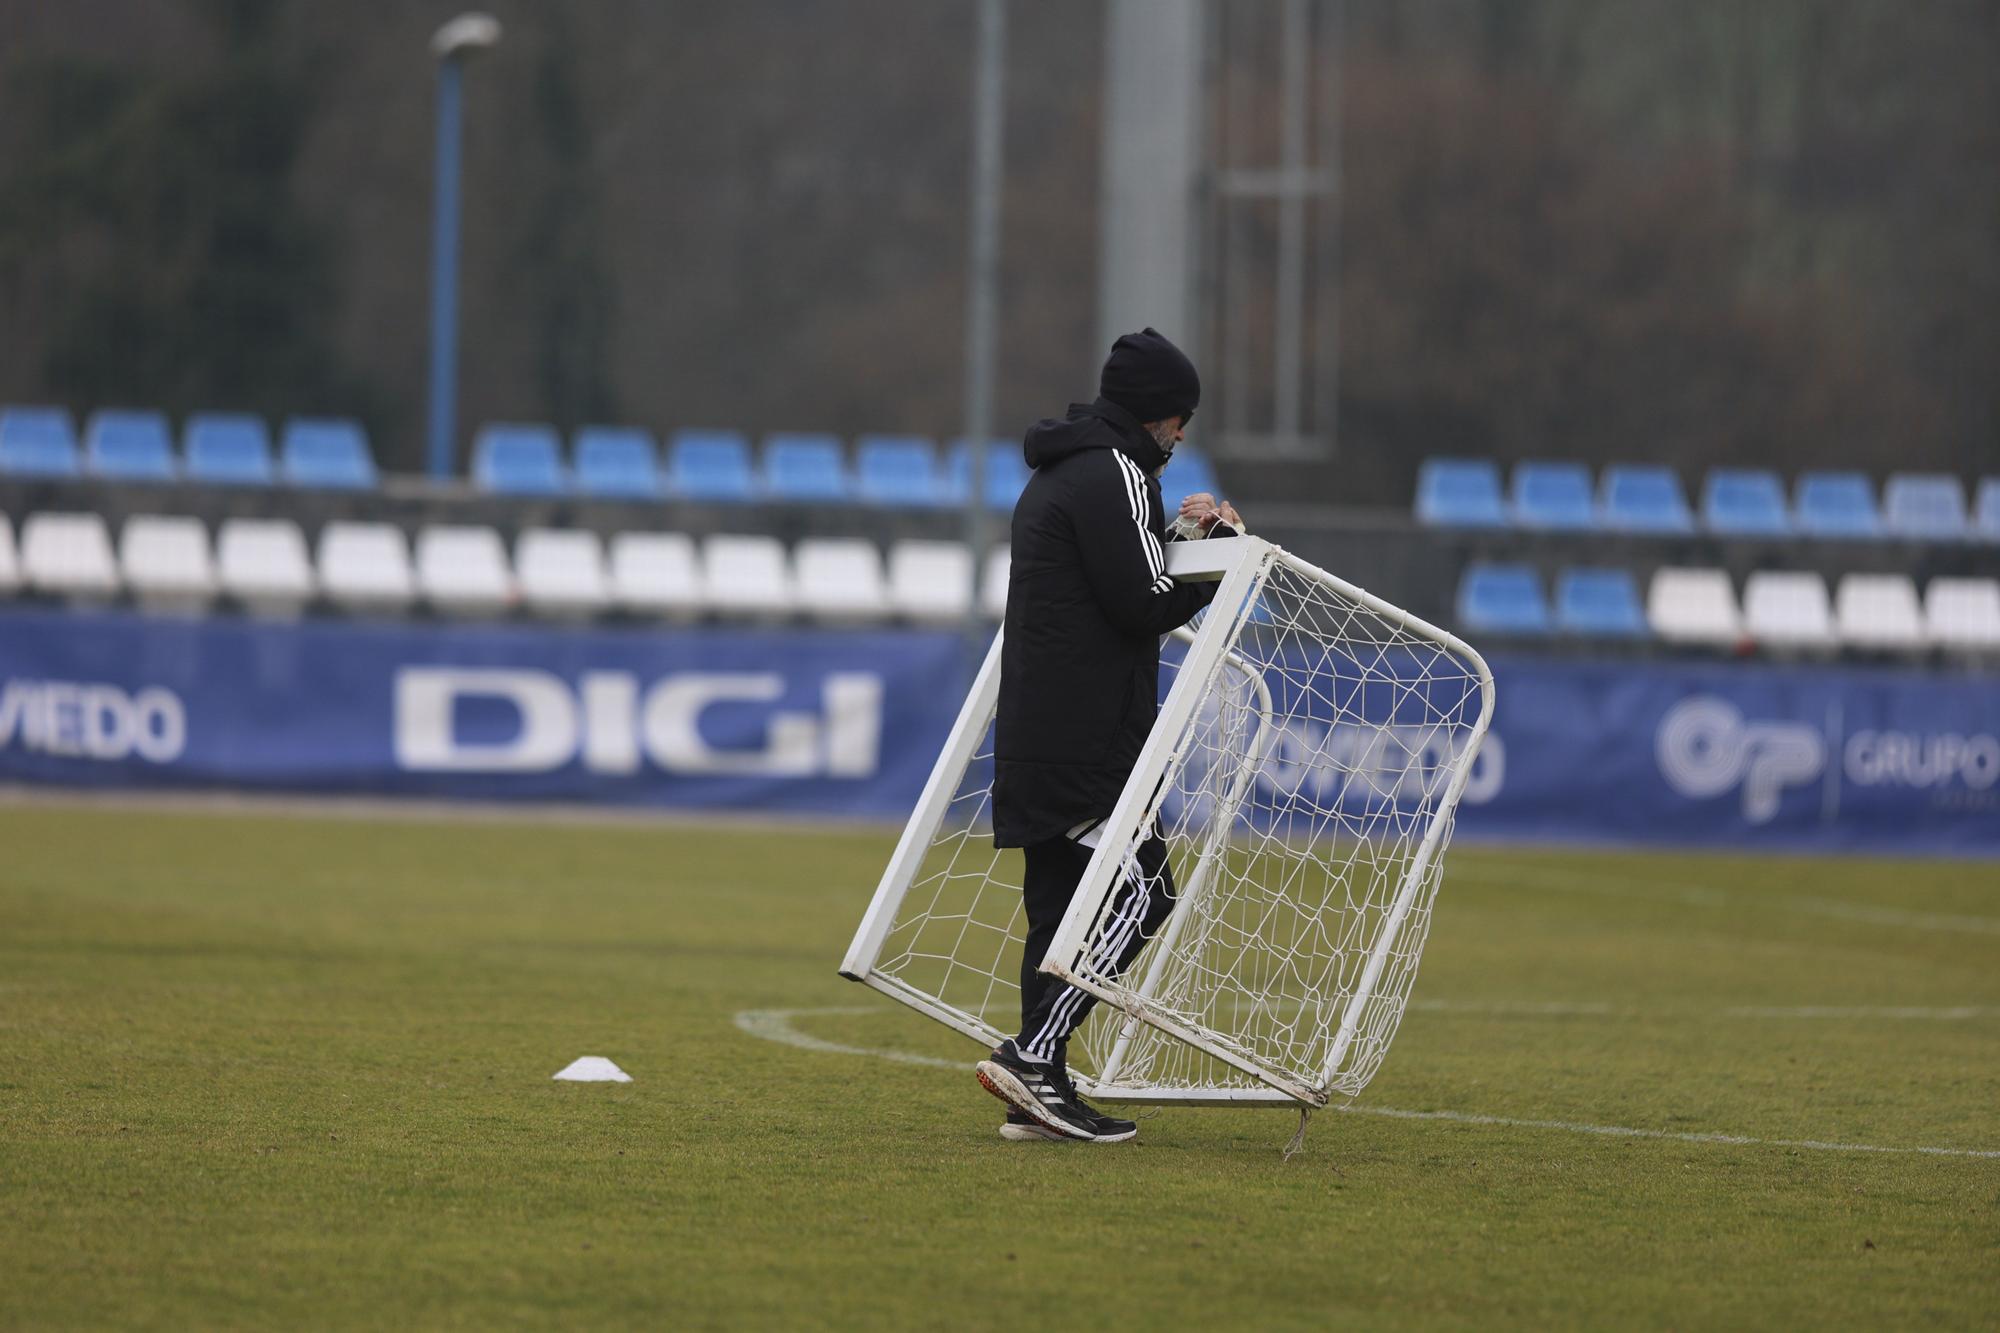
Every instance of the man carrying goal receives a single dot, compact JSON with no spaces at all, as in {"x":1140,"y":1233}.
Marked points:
{"x":1088,"y":598}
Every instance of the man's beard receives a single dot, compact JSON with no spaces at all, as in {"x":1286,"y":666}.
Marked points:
{"x":1163,"y":435}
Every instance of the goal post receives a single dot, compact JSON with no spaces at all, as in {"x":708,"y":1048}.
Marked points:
{"x":1303,"y":771}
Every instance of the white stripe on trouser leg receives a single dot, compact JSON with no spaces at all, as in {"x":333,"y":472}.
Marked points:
{"x":1118,"y":934}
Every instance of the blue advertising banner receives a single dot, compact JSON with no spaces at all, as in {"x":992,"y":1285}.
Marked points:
{"x":850,"y":722}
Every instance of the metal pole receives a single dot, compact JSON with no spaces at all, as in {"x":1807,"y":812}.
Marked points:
{"x":1290,"y":331}
{"x":444,"y":272}
{"x":982,"y":291}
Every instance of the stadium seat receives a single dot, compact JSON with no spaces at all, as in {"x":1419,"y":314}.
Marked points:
{"x":1694,"y":606}
{"x":1986,"y":510}
{"x":1502,"y":599}
{"x":1836,"y":504}
{"x":1787,"y":609}
{"x":10,"y":559}
{"x":327,"y":453}
{"x":1187,"y":472}
{"x":1460,"y":492}
{"x":68,"y":554}
{"x":930,"y":581}
{"x":1599,"y":602}
{"x":993,"y":583}
{"x":710,"y":465}
{"x":1963,"y":614}
{"x":1745,"y":502}
{"x":561,"y":572}
{"x":262,"y":562}
{"x":655,"y":573}
{"x":806,"y":469}
{"x":900,"y":470}
{"x":167,"y":564}
{"x":130,"y":446}
{"x":1553,"y":495}
{"x":1878,"y":611}
{"x":518,"y":459}
{"x":462,"y":570}
{"x":1006,"y":473}
{"x":37,"y":442}
{"x":743,"y":575}
{"x":227,"y":449}
{"x":1927,"y":506}
{"x":1643,"y":498}
{"x":840,"y":579}
{"x":365,"y":567}
{"x":617,"y":462}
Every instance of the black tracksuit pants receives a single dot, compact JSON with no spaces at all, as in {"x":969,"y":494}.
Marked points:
{"x":1050,"y":1009}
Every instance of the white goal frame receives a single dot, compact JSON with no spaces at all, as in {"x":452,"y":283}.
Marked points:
{"x":1238,"y":563}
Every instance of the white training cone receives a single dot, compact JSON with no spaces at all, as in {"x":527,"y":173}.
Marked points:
{"x":593,"y":1069}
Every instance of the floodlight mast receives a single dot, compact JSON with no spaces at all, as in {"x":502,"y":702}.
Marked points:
{"x":450,"y":44}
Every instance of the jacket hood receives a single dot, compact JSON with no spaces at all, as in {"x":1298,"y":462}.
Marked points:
{"x":1099,"y":425}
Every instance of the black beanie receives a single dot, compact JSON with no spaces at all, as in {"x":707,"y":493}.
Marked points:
{"x":1150,"y":378}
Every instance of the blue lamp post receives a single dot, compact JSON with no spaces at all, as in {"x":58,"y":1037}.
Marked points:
{"x":451,"y":44}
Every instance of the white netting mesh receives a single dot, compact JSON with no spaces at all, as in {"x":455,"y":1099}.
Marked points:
{"x":1295,"y":809}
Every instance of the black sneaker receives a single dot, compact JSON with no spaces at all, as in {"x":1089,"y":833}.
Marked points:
{"x":1038,"y":1091}
{"x":1019,"y":1127}
{"x":1104,"y":1128}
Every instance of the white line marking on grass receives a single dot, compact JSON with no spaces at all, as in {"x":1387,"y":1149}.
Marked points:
{"x":1583,"y":1009}
{"x":1565,"y":880}
{"x":1951,"y":1014}
{"x":776,"y":1025}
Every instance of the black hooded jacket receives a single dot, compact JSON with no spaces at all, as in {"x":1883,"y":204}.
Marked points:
{"x":1087,"y":601}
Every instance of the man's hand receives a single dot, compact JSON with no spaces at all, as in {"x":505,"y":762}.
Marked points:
{"x":1204,"y":509}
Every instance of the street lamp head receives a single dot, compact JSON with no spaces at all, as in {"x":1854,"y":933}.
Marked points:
{"x":467,"y":32}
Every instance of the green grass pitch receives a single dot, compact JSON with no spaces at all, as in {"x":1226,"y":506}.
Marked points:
{"x":261,"y":1071}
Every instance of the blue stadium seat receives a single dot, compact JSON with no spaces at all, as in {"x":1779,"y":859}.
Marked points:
{"x":1006,"y":473}
{"x":1986,"y":510}
{"x":1745,"y":502}
{"x":1930,"y":506}
{"x":1602,"y":602}
{"x":1643,"y":498}
{"x":1460,"y":492}
{"x":227,"y":449}
{"x":900,"y":470}
{"x":515,"y":459}
{"x":1187,"y":472}
{"x":710,"y":465}
{"x":617,"y":462}
{"x":327,"y":452}
{"x":1836,"y":504}
{"x":1553,"y":495}
{"x":1503,"y":599}
{"x":130,"y":446}
{"x":808,"y":469}
{"x":38,"y":442}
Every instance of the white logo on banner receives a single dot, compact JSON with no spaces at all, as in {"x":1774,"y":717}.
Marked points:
{"x":607,"y":721}
{"x":83,"y":720}
{"x":1705,"y":748}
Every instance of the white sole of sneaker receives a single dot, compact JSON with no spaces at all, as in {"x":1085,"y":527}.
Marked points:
{"x":996,"y":1079}
{"x":1032,"y":1134}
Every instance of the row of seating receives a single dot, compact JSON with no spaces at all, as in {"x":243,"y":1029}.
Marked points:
{"x":168,"y":563}
{"x":1780,"y":609}
{"x":1735,"y":502}
{"x":218,"y":448}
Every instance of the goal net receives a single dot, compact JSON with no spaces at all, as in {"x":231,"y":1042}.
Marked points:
{"x":1303,"y":773}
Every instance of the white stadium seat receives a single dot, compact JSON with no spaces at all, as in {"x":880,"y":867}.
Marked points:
{"x":463,"y":571}
{"x":167,"y":563}
{"x":561,"y":572}
{"x":1787,"y":609}
{"x":930,"y":580}
{"x":69,"y":554}
{"x":746,"y":576}
{"x":262,"y":562}
{"x":1963,"y":614}
{"x":840,"y":578}
{"x":366,"y":566}
{"x":1693,"y":606}
{"x":1878,"y":611}
{"x":993,"y":587}
{"x":10,"y":560}
{"x":655,"y":573}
